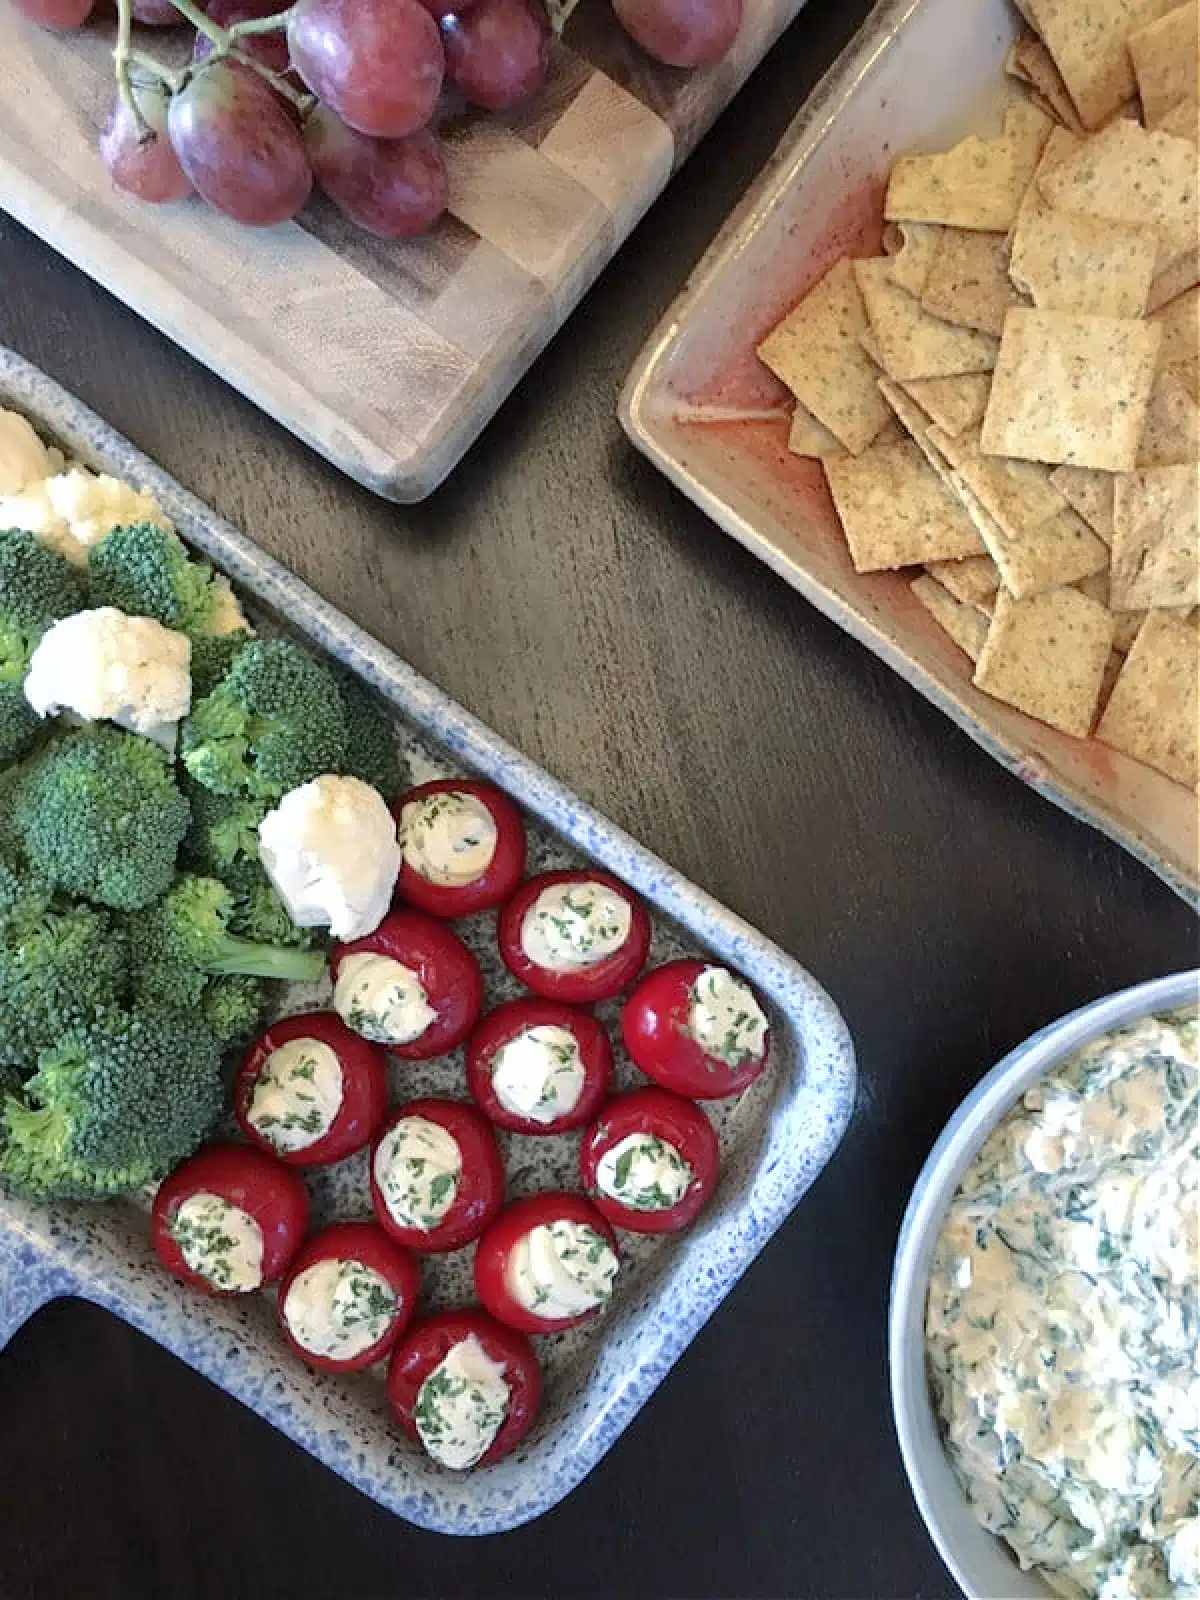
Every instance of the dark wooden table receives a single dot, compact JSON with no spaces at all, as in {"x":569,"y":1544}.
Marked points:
{"x":561,"y":590}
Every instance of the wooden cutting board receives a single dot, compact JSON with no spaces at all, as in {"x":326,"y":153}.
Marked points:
{"x":386,"y":358}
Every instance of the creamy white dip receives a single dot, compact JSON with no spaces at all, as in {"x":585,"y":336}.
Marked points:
{"x":1063,"y":1320}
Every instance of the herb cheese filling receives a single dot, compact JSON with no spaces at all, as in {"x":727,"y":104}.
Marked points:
{"x":571,"y":926}
{"x":1063,"y":1320}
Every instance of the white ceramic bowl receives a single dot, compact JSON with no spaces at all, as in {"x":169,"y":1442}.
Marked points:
{"x":982,"y":1565}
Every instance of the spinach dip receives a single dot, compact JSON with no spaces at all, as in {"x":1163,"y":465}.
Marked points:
{"x":1062,"y":1322}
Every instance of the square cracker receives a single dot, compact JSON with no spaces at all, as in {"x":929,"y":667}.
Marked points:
{"x":911,"y":247}
{"x":1034,"y":559}
{"x":1183,"y":120}
{"x":1153,"y":713}
{"x":1019,"y":494}
{"x":1180,"y":324}
{"x":1032,"y":62}
{"x":913,"y":344}
{"x":894,"y":510}
{"x":1156,"y":529}
{"x":1164,"y":60}
{"x":966,"y":626}
{"x":968,"y":283}
{"x":1091,"y":494}
{"x":1082,"y":265}
{"x":815,"y":350}
{"x":1088,"y":43}
{"x":808,"y":437}
{"x":974,"y":580}
{"x":1047,"y":656}
{"x":955,"y":404}
{"x":1071,"y":391}
{"x":1183,"y":274}
{"x":1126,"y":174}
{"x":1171,"y":436}
{"x":978,"y":184}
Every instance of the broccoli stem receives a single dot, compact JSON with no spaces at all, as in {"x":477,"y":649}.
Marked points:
{"x":245,"y":958}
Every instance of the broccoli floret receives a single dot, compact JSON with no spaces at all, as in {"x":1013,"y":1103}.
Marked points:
{"x":99,"y":813}
{"x":177,"y":944}
{"x":274,"y":722}
{"x":60,"y":966}
{"x":372,"y":750}
{"x":212,"y":656}
{"x":258,"y":913}
{"x":223,"y":837}
{"x":37,"y":587}
{"x":113,"y":1106}
{"x":235,"y":1008}
{"x":145,"y":571}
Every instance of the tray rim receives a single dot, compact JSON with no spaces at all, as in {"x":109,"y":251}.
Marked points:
{"x":51,"y":1265}
{"x":833,"y":94}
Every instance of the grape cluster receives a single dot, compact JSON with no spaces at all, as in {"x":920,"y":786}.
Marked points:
{"x":343,"y":93}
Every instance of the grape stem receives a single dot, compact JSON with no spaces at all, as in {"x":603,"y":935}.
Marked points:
{"x":224,"y":43}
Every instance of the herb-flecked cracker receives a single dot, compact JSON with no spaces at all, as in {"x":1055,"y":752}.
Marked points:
{"x":1156,"y":533}
{"x":1153,"y":713}
{"x":1126,"y":174}
{"x":966,"y":626}
{"x":974,"y":580}
{"x":894,"y":510}
{"x":911,"y":247}
{"x":1083,"y":265}
{"x":1030,"y":61}
{"x":955,"y":404}
{"x":978,"y":184}
{"x":1171,"y":435}
{"x":912,"y":343}
{"x":1091,"y":494}
{"x":968,"y":281}
{"x":816,"y":352}
{"x":1036,"y":557}
{"x":1088,"y":40}
{"x":808,"y":437}
{"x":1164,"y":58}
{"x":1046,"y":656}
{"x":1071,"y":391}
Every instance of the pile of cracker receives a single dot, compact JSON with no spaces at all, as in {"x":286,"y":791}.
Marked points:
{"x":1008,"y":396}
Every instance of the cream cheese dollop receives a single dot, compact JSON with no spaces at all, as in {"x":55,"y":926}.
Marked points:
{"x":725,"y":1019}
{"x":539,"y":1075}
{"x":461,"y":1406}
{"x":219,"y":1241}
{"x":338,"y":1309}
{"x":571,"y":926}
{"x":297,"y":1094}
{"x":382,"y":999}
{"x":644,"y":1172}
{"x":561,"y":1269}
{"x":417,"y":1167}
{"x":448,"y":838}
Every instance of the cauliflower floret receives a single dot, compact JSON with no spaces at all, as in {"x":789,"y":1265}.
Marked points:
{"x":24,"y":459}
{"x":330,"y":849}
{"x":75,"y":509}
{"x":227,"y":614}
{"x":102,"y":665}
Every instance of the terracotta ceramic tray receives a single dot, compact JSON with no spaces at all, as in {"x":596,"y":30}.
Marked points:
{"x":704,"y":408}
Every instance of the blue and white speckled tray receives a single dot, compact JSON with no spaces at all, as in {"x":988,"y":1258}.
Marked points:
{"x":775,"y":1139}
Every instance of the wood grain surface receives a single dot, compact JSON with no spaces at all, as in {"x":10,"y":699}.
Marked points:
{"x":564,"y":592}
{"x":540,"y":200}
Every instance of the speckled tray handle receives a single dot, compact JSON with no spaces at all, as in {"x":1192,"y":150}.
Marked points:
{"x":28,"y":1281}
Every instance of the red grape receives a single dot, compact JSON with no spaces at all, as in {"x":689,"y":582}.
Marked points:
{"x":158,"y":13}
{"x":269,"y":48}
{"x":394,"y":188}
{"x":378,"y":63}
{"x":683,"y":33}
{"x":497,"y":52}
{"x":60,"y":15}
{"x":238,"y":144}
{"x":146,"y":166}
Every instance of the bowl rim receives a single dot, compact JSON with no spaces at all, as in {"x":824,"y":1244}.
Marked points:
{"x":956,"y":1147}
